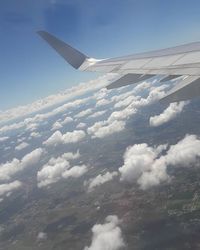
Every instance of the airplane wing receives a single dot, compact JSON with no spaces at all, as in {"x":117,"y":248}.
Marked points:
{"x":171,"y":63}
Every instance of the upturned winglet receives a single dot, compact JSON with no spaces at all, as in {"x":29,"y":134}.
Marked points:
{"x":71,"y":55}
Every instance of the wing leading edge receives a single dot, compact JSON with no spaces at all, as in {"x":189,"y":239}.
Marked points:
{"x":171,"y":63}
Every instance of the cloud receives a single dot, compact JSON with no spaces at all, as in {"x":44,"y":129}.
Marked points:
{"x":113,"y":124}
{"x":71,"y":156}
{"x":35,"y":134}
{"x":52,"y":171}
{"x":127,"y":101}
{"x":155,"y":94}
{"x":51,"y":100}
{"x":7,"y":188}
{"x":168,"y":114}
{"x":69,"y":137}
{"x":10,"y":168}
{"x":144,"y":164}
{"x":31,"y":123}
{"x":156,"y":175}
{"x":59,"y":168}
{"x":60,"y":109}
{"x":21,"y":146}
{"x":122,"y":114}
{"x":21,"y":139}
{"x":67,"y":120}
{"x":10,"y":127}
{"x":84,"y":113}
{"x":97,"y":114}
{"x":75,"y":171}
{"x":116,"y":121}
{"x":107,"y":236}
{"x":100,"y":179}
{"x":32,"y":126}
{"x":81,"y":125}
{"x":137,"y":159}
{"x":41,"y":236}
{"x":57,"y":125}
{"x":102,"y":93}
{"x":121,"y":97}
{"x":142,"y":86}
{"x":103,"y":128}
{"x":185,"y":152}
{"x":4,"y":138}
{"x":103,"y":102}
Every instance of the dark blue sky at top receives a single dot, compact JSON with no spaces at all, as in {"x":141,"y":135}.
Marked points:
{"x":30,"y":69}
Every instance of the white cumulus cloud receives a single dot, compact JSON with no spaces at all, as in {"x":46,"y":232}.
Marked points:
{"x":84,"y":113}
{"x":21,"y":146}
{"x":98,"y":113}
{"x":67,"y":120}
{"x":148,"y":166}
{"x":10,"y":168}
{"x":69,"y":137}
{"x":81,"y":125}
{"x":168,"y":114}
{"x":107,"y":236}
{"x":59,"y":168}
{"x":57,"y":125}
{"x":4,"y":138}
{"x":103,"y":102}
{"x":9,"y":187}
{"x":100,"y":179}
{"x":75,"y":171}
{"x":103,"y":129}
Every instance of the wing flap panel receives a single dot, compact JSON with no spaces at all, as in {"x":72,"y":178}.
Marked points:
{"x":188,"y":88}
{"x":128,"y":79}
{"x":169,"y":78}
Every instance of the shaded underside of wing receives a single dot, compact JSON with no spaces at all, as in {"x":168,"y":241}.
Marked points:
{"x":188,"y":88}
{"x":128,"y":79}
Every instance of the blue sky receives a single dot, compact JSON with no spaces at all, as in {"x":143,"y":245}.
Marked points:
{"x":30,"y":69}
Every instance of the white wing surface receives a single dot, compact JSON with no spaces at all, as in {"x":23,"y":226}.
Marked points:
{"x":172,"y":63}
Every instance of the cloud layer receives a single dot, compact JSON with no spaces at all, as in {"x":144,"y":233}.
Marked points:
{"x":56,"y":99}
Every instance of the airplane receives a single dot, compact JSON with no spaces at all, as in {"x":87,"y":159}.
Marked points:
{"x":170,"y":63}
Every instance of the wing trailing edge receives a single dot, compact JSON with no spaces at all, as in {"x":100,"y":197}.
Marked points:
{"x":128,"y":79}
{"x":169,"y":78}
{"x":186,"y":89}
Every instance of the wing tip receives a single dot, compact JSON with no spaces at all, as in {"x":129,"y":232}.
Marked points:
{"x":74,"y":57}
